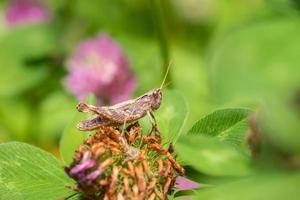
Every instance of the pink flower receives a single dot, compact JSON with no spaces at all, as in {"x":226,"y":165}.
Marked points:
{"x":21,"y":12}
{"x":80,"y":171}
{"x":183,"y":183}
{"x":99,"y":66}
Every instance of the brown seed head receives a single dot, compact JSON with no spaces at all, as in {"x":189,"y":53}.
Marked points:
{"x":113,"y":165}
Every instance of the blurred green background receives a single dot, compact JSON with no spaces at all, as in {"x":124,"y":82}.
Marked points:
{"x":224,"y":53}
{"x":232,"y":53}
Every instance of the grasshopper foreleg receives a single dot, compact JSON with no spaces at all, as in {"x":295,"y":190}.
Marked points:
{"x":154,"y":126}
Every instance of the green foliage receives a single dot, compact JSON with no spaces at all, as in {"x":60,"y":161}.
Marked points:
{"x":217,"y":143}
{"x":40,"y":39}
{"x":27,"y":172}
{"x":13,"y":71}
{"x":144,"y":57}
{"x":190,"y":79}
{"x":211,"y":156}
{"x":288,"y":7}
{"x":271,"y":185}
{"x":234,"y":54}
{"x":284,"y":130}
{"x":14,"y":46}
{"x":71,"y":136}
{"x":248,"y":65}
{"x":234,"y":13}
{"x":15,"y":129}
{"x":226,"y":124}
{"x":183,"y":193}
{"x":170,"y":117}
{"x":251,"y":68}
{"x":56,"y":112}
{"x":219,"y":121}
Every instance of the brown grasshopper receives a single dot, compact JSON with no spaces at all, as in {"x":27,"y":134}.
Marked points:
{"x":124,"y":112}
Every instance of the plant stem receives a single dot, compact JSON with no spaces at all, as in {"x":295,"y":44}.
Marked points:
{"x":160,"y":25}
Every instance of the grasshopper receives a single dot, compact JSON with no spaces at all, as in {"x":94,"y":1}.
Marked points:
{"x":124,"y":112}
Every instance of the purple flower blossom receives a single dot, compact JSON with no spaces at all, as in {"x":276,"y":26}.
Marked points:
{"x":183,"y":183}
{"x":82,"y":167}
{"x":99,"y":66}
{"x":84,"y":171}
{"x":85,"y":164}
{"x":92,"y":176}
{"x":26,"y":12}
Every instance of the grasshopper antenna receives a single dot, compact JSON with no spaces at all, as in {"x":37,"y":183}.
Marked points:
{"x":166,"y":85}
{"x":167,"y":72}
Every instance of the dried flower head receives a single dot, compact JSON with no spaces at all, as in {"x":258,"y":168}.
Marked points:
{"x":112,"y":165}
{"x":99,"y":66}
{"x":26,"y":12}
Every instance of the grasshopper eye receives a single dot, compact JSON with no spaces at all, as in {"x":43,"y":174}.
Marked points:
{"x":157,"y":93}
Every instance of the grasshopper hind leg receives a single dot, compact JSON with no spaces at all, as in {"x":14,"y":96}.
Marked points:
{"x":83,"y":107}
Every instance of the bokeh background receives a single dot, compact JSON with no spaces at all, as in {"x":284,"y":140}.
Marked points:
{"x":223,"y":53}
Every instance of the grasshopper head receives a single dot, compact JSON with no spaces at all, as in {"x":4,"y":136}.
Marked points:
{"x":156,"y":98}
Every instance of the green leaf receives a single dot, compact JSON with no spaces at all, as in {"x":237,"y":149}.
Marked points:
{"x":71,"y":138}
{"x":210,"y":156}
{"x":171,"y":116}
{"x":27,"y":172}
{"x":228,"y":124}
{"x":275,"y":186}
{"x":219,"y":121}
{"x":249,"y":66}
{"x":181,"y":193}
